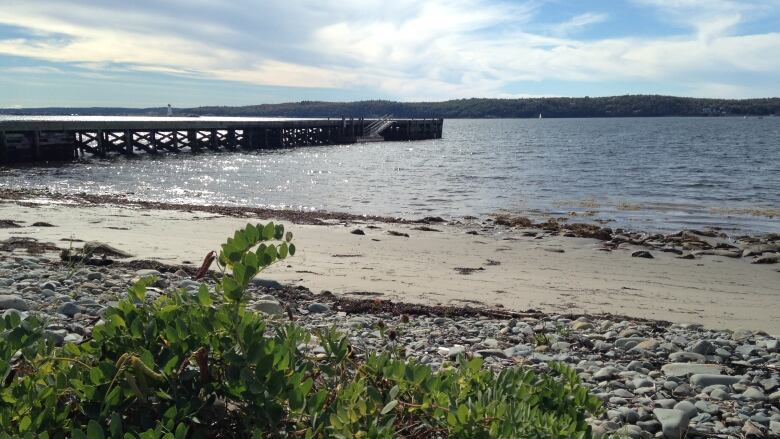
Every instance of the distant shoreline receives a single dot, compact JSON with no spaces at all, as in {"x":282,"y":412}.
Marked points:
{"x":481,"y":108}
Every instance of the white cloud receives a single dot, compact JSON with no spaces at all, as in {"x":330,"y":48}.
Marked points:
{"x":31,"y":70}
{"x":579,"y":23}
{"x":412,"y":50}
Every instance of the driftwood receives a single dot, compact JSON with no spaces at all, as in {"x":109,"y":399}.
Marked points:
{"x":101,"y":248}
{"x":204,"y":267}
{"x":85,"y":259}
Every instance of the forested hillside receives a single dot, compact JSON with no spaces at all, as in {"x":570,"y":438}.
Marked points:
{"x":615,"y":106}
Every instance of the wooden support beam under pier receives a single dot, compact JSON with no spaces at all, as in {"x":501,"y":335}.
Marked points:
{"x":2,"y":147}
{"x":36,"y":142}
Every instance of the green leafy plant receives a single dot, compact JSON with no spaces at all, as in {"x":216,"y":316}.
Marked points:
{"x":563,"y":330}
{"x":192,"y":365}
{"x":541,"y":339}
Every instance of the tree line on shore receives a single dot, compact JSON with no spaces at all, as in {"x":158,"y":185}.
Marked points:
{"x":613,"y":106}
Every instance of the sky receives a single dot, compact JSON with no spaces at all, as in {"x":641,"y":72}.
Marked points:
{"x":187,"y":53}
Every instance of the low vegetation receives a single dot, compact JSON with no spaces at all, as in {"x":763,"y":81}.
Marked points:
{"x":201,"y":365}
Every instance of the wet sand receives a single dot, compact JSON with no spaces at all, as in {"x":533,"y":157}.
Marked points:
{"x":498,"y":267}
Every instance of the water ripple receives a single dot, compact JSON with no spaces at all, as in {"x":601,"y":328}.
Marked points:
{"x":673,"y":172}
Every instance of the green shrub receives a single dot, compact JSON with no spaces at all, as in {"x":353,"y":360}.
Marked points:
{"x":197,"y":365}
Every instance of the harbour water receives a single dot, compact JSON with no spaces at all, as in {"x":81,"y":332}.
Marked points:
{"x":640,"y":173}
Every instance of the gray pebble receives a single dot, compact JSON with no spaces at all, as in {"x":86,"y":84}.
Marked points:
{"x":69,"y":309}
{"x":317,"y":307}
{"x":12,"y":301}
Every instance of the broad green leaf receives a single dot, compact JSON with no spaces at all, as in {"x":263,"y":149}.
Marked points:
{"x":96,"y":375}
{"x":240,"y":242}
{"x":137,"y":291}
{"x":306,"y":386}
{"x":24,"y":424}
{"x":181,"y":431}
{"x":389,"y":406}
{"x":282,"y":250}
{"x":268,"y":231}
{"x":233,"y":291}
{"x":463,"y":413}
{"x":475,"y":364}
{"x":393,"y":392}
{"x":115,"y":428}
{"x":204,"y":298}
{"x":252,"y":234}
{"x":94,"y":430}
{"x":271,"y":251}
{"x":239,"y":273}
{"x":251,"y":261}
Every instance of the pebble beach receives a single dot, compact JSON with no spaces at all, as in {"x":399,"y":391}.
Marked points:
{"x":656,"y":378}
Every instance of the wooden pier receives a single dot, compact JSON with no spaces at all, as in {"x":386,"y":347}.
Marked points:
{"x":64,"y":139}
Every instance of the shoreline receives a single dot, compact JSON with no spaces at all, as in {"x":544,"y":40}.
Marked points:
{"x":552,"y":223}
{"x":493,"y":264}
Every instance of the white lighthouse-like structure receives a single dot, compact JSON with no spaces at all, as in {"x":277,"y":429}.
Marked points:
{"x":170,"y":111}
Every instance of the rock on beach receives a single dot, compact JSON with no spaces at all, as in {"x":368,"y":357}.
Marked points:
{"x":12,"y":301}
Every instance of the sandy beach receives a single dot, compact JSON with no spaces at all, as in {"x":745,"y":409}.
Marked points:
{"x":475,"y":264}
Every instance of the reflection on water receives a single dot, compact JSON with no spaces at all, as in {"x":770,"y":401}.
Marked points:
{"x":644,"y":173}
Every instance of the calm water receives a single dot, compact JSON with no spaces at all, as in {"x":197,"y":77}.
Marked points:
{"x":650,"y":174}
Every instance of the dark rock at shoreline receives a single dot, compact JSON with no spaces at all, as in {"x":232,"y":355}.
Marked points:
{"x":718,"y":252}
{"x":582,"y":230}
{"x":101,"y":248}
{"x":642,"y":254}
{"x":767,"y":259}
{"x":467,"y":271}
{"x":426,"y":229}
{"x":31,"y":245}
{"x":8,"y":224}
{"x":513,"y":221}
{"x":357,"y":232}
{"x":756,"y":250}
{"x":42,"y":224}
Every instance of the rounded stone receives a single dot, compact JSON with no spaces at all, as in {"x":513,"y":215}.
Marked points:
{"x":754,"y":394}
{"x":268,"y":307}
{"x":12,"y":301}
{"x":605,"y":373}
{"x":50,"y":286}
{"x":317,"y":307}
{"x":69,"y":309}
{"x":704,"y":380}
{"x":720,"y":395}
{"x":688,"y":408}
{"x":674,"y":423}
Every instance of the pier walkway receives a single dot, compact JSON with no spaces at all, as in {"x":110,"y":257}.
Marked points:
{"x":38,"y":139}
